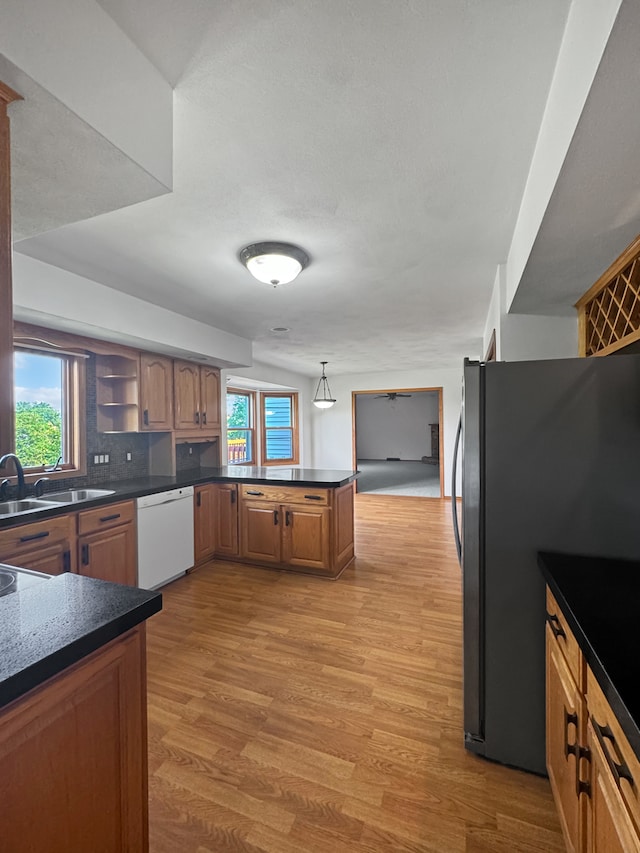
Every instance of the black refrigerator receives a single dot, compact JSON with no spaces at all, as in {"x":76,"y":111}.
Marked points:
{"x":550,"y":455}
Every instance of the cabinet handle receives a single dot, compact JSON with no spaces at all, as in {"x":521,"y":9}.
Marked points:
{"x":582,"y":786}
{"x":287,"y":518}
{"x":253,"y":492}
{"x":556,"y":627}
{"x":110,"y":517}
{"x":204,"y":418}
{"x":233,"y":496}
{"x":620,"y":771}
{"x":145,"y":417}
{"x":570,"y":748}
{"x":197,"y":417}
{"x":275,"y":517}
{"x":66,"y":561}
{"x":199,"y":499}
{"x":85,"y":555}
{"x":313,"y":497}
{"x":33,"y":536}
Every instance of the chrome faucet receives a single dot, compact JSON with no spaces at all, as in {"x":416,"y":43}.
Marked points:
{"x":19,"y":472}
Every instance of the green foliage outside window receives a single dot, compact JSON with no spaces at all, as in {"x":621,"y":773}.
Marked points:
{"x":38,"y":434}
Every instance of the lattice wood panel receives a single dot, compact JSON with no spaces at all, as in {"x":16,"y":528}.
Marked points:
{"x":610,"y":310}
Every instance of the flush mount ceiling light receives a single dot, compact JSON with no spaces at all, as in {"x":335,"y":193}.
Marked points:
{"x":323,"y":398}
{"x":274,"y":263}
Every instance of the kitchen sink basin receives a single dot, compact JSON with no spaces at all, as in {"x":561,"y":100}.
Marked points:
{"x":73,"y":496}
{"x":27,"y":505}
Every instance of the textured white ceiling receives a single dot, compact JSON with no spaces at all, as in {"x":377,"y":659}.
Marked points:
{"x":391,"y":140}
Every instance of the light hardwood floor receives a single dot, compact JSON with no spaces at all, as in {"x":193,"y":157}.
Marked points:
{"x":290,"y":714}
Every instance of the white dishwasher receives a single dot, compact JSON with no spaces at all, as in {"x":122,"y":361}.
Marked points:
{"x":165,"y":536}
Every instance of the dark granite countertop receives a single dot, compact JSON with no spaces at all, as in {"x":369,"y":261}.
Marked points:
{"x":599,"y":599}
{"x":47,"y":626}
{"x":130,"y":489}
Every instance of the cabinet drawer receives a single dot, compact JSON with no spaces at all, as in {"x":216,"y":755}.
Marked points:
{"x":285,"y":494}
{"x":565,"y":639}
{"x":105,"y":516}
{"x":615,"y":746}
{"x":26,"y":536}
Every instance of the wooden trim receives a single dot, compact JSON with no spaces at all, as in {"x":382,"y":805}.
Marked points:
{"x":295,"y":436}
{"x":490,"y":355}
{"x":438,"y":389}
{"x":7,"y":438}
{"x":29,"y":333}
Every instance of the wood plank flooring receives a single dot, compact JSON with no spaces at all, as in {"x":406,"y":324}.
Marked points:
{"x":290,"y":714}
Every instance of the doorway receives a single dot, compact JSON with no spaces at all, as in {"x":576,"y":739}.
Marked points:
{"x":397,"y":441}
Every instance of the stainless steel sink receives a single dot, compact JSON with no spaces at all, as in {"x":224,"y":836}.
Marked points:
{"x":73,"y":496}
{"x":27,"y":505}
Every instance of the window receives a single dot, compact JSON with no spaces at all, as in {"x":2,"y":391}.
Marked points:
{"x":240,"y":430}
{"x":49,"y":411}
{"x":279,"y":428}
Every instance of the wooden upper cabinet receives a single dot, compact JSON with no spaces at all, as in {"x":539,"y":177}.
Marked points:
{"x":196,"y":389}
{"x":210,"y":397}
{"x":156,"y":393}
{"x":186,"y":394}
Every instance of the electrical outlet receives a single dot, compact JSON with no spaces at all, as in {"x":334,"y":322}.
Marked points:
{"x":190,"y":450}
{"x":106,"y":457}
{"x":96,"y":460}
{"x":101,"y":459}
{"x":128,"y":456}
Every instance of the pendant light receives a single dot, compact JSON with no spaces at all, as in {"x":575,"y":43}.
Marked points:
{"x":274,"y":263}
{"x":323,"y":398}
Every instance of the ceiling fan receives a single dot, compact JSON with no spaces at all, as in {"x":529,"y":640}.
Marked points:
{"x":391,"y":395}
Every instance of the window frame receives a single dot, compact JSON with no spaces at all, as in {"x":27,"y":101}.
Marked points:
{"x":251,"y":429}
{"x":73,"y":416}
{"x":294,"y":429}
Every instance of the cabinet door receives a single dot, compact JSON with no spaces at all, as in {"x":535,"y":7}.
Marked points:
{"x":564,"y":721}
{"x":186,"y":395}
{"x":210,"y":398}
{"x":109,"y":555}
{"x":260,"y":532}
{"x":204,"y":523}
{"x":226,"y":515}
{"x":156,"y":392}
{"x":306,"y":537}
{"x":609,"y":826}
{"x":52,"y":560}
{"x":74,"y":758}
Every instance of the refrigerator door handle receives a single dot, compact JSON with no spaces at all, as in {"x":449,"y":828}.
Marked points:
{"x":454,"y":502}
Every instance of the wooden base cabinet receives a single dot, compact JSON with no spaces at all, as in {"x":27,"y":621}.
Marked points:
{"x":225,"y":502}
{"x":44,"y":546}
{"x":297,"y":528}
{"x":204,"y":522}
{"x":73,"y":758}
{"x":593,"y":771}
{"x":107,"y":547}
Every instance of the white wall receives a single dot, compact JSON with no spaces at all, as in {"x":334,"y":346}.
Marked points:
{"x":494,"y":314}
{"x":397,"y":427}
{"x":527,"y":337}
{"x":50,"y":296}
{"x":264,"y":377}
{"x":589,"y":26}
{"x":105,"y":79}
{"x":333,"y":428}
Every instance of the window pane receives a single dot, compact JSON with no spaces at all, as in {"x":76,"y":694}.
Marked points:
{"x":277,"y":412}
{"x":38,"y":381}
{"x":238,"y":410}
{"x":239,"y":447}
{"x":279,"y":444}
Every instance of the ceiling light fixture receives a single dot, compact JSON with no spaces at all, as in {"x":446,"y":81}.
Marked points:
{"x":274,"y":263}
{"x":323,"y":398}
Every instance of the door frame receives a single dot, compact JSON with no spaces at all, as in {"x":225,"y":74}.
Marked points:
{"x":438,"y":390}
